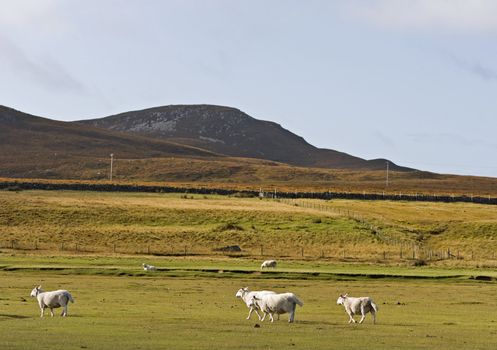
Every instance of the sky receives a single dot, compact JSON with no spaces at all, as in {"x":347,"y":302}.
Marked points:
{"x":413,"y":81}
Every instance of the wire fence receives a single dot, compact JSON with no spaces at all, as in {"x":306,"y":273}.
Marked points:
{"x":349,"y":253}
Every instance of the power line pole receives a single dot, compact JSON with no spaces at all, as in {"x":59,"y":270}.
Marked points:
{"x":111,"y":161}
{"x":387,"y":174}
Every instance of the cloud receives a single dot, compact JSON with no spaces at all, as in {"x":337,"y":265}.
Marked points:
{"x":451,"y":140}
{"x":476,"y":68}
{"x":23,"y":12}
{"x":45,"y":72}
{"x":384,"y":139}
{"x":447,"y":15}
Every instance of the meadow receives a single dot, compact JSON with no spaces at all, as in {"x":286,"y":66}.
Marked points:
{"x":93,"y":244}
{"x":133,"y":310}
{"x":184,"y":224}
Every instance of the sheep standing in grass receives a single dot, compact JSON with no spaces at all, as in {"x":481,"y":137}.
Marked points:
{"x":278,"y":304}
{"x":148,"y":267}
{"x":246,"y":295}
{"x":355,"y":306}
{"x":51,"y":300}
{"x":268,"y":263}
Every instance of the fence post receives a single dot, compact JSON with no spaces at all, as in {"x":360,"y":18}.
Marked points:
{"x":148,"y":249}
{"x":36,"y":244}
{"x":12,"y":243}
{"x":384,"y":255}
{"x":401,"y":251}
{"x":302,"y":251}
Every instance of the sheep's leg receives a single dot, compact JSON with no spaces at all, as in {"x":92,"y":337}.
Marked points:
{"x":258,"y":314}
{"x":42,"y":311}
{"x":271,"y":317}
{"x":373,"y":313}
{"x":51,"y":311}
{"x":351,"y":318}
{"x":64,"y":311}
{"x":363,"y":314}
{"x":263,"y":317}
{"x":251,"y":309}
{"x":292,"y":314}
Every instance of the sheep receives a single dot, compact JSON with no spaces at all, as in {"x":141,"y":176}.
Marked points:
{"x":277,"y":304}
{"x":361,"y":305}
{"x":246,"y":295}
{"x":52,"y":300}
{"x":149,"y":267}
{"x":268,"y":263}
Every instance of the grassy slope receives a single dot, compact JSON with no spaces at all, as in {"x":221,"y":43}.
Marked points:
{"x":169,"y":223}
{"x":225,"y":172}
{"x":200,"y":313}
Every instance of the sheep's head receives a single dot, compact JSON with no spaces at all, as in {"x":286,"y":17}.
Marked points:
{"x":241,"y":292}
{"x":36,"y":291}
{"x":341,"y":299}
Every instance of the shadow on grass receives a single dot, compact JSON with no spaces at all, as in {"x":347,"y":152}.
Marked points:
{"x":14,"y":316}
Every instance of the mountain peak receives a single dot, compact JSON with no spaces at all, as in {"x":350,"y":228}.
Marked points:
{"x":229,"y":131}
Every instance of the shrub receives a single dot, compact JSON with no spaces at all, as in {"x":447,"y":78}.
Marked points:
{"x":229,"y":226}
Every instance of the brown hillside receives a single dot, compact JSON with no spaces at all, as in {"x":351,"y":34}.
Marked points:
{"x":232,"y":132}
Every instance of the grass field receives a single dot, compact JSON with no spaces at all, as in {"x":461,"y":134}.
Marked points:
{"x":92,"y":244}
{"x":184,"y":311}
{"x":175,"y":224}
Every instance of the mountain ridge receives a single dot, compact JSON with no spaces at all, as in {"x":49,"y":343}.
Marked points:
{"x":229,"y":131}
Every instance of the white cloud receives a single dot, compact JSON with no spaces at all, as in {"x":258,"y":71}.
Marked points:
{"x":446,"y":15}
{"x":44,"y":71}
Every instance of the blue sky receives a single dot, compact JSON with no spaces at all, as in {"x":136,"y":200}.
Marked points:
{"x":414,"y":81}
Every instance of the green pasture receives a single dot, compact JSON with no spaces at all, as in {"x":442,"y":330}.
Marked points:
{"x":231,"y":267}
{"x":158,"y":311}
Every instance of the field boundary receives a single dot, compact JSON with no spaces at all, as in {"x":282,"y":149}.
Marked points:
{"x":19,"y":184}
{"x":237,"y":273}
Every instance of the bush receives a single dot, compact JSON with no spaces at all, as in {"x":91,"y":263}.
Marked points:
{"x":229,"y":226}
{"x":419,"y":262}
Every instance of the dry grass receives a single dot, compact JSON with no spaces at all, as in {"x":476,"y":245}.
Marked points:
{"x":244,"y":173}
{"x":173,"y":223}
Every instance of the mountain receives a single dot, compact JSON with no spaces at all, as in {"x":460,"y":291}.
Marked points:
{"x":229,"y":131}
{"x":29,"y":143}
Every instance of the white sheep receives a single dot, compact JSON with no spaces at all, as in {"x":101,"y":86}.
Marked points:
{"x":148,"y":267}
{"x":355,"y":306}
{"x":278,"y":304}
{"x":246,"y":295}
{"x":55,"y":299}
{"x":268,"y":263}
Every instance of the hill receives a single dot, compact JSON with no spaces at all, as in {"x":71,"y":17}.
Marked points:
{"x":232,"y":132}
{"x":35,"y":146}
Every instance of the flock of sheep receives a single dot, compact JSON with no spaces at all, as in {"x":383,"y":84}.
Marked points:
{"x":266,"y":301}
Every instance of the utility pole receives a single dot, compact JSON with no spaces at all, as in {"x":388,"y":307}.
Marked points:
{"x":387,"y":174}
{"x":111,"y":161}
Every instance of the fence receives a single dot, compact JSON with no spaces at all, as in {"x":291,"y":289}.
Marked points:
{"x":309,"y":252}
{"x":114,"y":187}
